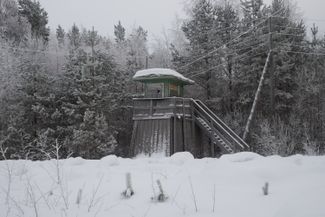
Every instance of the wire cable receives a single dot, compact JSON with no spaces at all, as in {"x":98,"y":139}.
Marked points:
{"x":3,"y":46}
{"x":237,"y":37}
{"x":293,"y":45}
{"x":217,"y":66}
{"x":287,"y":27}
{"x":301,"y":52}
{"x":221,"y":64}
{"x":255,"y":46}
{"x":287,"y":34}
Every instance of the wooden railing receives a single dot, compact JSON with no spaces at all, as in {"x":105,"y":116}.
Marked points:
{"x":161,"y":107}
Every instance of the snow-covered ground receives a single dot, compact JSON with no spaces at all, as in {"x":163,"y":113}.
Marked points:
{"x":227,"y":187}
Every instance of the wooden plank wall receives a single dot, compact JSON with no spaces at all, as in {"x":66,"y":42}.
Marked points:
{"x":167,"y":125}
{"x":157,"y":136}
{"x":151,"y":136}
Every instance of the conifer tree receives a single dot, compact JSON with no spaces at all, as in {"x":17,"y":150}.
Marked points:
{"x":198,"y":30}
{"x":119,"y":32}
{"x":74,"y":37}
{"x":91,"y":38}
{"x":13,"y":27}
{"x":226,"y":27}
{"x":37,"y":17}
{"x":287,"y":35}
{"x":137,"y":50}
{"x":94,"y":85}
{"x":60,"y":35}
{"x":250,"y":51}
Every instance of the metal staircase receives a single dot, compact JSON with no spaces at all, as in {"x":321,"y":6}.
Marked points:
{"x":219,"y":133}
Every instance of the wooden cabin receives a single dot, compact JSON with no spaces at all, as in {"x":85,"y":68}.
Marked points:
{"x":162,"y":83}
{"x":166,"y":122}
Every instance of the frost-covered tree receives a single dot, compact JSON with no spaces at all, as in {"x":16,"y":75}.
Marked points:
{"x":60,"y":35}
{"x":74,"y":37}
{"x":226,"y":27}
{"x":161,"y":56}
{"x":252,"y":51}
{"x":37,"y":17}
{"x":119,"y":32}
{"x":10,"y":134}
{"x":137,"y":55}
{"x":309,"y":96}
{"x":93,"y":138}
{"x":91,"y":38}
{"x":137,"y":49}
{"x":289,"y":35}
{"x":198,"y":30}
{"x":93,"y":86}
{"x":13,"y":27}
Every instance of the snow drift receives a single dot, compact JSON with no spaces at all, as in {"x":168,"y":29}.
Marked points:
{"x":227,"y":187}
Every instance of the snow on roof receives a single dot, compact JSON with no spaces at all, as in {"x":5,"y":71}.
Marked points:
{"x":154,"y":73}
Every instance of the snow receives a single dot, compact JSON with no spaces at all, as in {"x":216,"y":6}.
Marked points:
{"x":180,"y":158}
{"x":240,"y":157}
{"x":160,"y":72}
{"x":79,"y":187}
{"x":110,"y":160}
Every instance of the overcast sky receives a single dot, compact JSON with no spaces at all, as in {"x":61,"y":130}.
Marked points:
{"x":153,"y":15}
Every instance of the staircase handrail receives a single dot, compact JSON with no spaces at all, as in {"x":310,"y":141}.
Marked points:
{"x":206,"y":117}
{"x":223,"y":127}
{"x":201,"y":111}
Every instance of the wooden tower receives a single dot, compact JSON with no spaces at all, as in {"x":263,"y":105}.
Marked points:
{"x":166,"y":122}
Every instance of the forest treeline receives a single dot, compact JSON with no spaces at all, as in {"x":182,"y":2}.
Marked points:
{"x":73,"y":88}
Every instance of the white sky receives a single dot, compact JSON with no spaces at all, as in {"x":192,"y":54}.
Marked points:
{"x":313,"y":11}
{"x":153,"y":15}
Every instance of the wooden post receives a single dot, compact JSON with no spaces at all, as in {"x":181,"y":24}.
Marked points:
{"x":174,"y":136}
{"x":133,"y":139}
{"x":211,"y":140}
{"x":257,"y":96}
{"x":183,"y":130}
{"x":193,"y":137}
{"x":151,"y":109}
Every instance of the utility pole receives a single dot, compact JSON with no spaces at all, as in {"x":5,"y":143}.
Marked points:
{"x":147,"y":62}
{"x":57,"y":60}
{"x":92,"y":41}
{"x":272,"y":84}
{"x":257,"y":96}
{"x":260,"y":85}
{"x":321,"y":98}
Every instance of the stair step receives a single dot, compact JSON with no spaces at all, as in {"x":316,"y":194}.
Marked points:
{"x":229,"y":149}
{"x":216,"y":136}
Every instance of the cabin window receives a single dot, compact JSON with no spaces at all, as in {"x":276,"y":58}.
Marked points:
{"x":154,"y":90}
{"x":174,"y":90}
